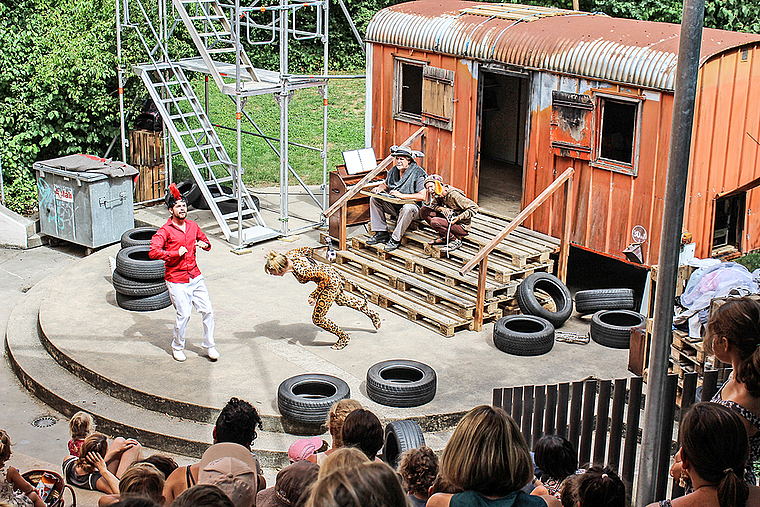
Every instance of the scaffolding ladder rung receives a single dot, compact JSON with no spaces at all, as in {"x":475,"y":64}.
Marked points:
{"x":191,"y":131}
{"x":225,"y":179}
{"x":201,"y":147}
{"x":244,"y":212}
{"x":191,"y":114}
{"x":167,"y":83}
{"x":215,"y":34}
{"x":221,"y":50}
{"x":210,"y":17}
{"x":197,"y":1}
{"x":172,"y":100}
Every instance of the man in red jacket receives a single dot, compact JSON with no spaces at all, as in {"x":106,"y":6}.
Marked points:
{"x":175,"y":243}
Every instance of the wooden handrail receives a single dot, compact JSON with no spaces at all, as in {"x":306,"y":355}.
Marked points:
{"x":519,"y":219}
{"x":356,"y":188}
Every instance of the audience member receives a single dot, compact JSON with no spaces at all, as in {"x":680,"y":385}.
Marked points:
{"x":488,"y":459}
{"x":14,"y":489}
{"x":599,"y":487}
{"x":362,"y":429}
{"x":713,"y":456}
{"x":136,"y":501}
{"x":557,"y":459}
{"x":99,"y":465}
{"x":291,"y":487}
{"x":233,"y":469}
{"x":203,"y":495}
{"x":418,"y":469}
{"x":567,"y":491}
{"x":164,"y":463}
{"x":236,"y":423}
{"x":141,"y":480}
{"x":442,"y":485}
{"x":371,"y":484}
{"x":80,"y":425}
{"x":338,"y":413}
{"x":342,"y":459}
{"x":305,"y":448}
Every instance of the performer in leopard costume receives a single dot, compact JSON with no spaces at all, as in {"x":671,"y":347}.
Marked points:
{"x":329,"y":288}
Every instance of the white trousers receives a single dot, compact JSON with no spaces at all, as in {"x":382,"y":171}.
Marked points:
{"x":184,"y":296}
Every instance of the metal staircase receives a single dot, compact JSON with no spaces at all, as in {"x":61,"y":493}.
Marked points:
{"x":194,"y":136}
{"x":212,"y":34}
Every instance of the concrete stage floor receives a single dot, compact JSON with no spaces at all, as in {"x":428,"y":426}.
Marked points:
{"x":265,"y":335}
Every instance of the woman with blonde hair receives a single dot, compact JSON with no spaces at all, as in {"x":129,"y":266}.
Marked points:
{"x":487,"y":458}
{"x":370,"y":484}
{"x":338,"y":413}
{"x":342,"y":459}
{"x":329,"y":288}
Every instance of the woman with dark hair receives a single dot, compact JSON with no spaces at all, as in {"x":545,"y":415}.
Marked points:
{"x":203,"y":495}
{"x":713,"y":456}
{"x":557,"y":459}
{"x":362,"y":429}
{"x":598,"y":487}
{"x":733,"y":336}
{"x":488,"y":459}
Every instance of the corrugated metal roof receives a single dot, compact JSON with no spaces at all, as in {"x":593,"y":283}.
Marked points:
{"x":640,"y":53}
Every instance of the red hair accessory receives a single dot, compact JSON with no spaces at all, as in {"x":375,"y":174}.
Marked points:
{"x":175,"y":191}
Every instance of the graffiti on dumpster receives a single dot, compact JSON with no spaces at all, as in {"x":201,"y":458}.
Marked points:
{"x":58,"y":203}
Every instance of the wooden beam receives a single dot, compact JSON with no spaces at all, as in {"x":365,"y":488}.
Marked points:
{"x":567,"y":215}
{"x":481,"y":299}
{"x":356,"y":188}
{"x":519,"y":219}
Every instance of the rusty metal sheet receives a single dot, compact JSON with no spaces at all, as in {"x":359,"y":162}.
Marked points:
{"x":637,"y":53}
{"x":571,"y":125}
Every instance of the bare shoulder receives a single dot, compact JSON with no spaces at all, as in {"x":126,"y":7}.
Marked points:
{"x":439,"y":500}
{"x":754,"y":497}
{"x":551,"y":501}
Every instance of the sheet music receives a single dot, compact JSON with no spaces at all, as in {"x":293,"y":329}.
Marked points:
{"x":360,"y":161}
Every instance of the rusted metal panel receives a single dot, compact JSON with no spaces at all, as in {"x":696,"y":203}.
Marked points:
{"x":571,"y":125}
{"x":638,"y":53}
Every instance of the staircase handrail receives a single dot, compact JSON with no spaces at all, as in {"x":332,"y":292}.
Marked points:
{"x":355,"y":189}
{"x":519,"y":219}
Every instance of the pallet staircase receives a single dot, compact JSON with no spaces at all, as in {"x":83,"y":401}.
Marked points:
{"x":423,"y":284}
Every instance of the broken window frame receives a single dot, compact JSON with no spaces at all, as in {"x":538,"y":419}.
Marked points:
{"x":610,"y":164}
{"x":436,"y":94}
{"x":571,"y":125}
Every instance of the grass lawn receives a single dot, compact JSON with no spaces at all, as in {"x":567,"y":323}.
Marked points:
{"x":345,"y":130}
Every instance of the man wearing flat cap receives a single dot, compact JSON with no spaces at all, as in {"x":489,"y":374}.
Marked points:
{"x":405,"y":180}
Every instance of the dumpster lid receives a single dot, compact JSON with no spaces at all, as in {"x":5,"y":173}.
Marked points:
{"x":88,"y":164}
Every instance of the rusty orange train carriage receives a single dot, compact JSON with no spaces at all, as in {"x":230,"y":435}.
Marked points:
{"x":533,"y":90}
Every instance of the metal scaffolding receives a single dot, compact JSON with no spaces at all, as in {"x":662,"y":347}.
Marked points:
{"x":217,"y":28}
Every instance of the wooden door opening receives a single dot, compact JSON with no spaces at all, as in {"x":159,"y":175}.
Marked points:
{"x":502,"y":126}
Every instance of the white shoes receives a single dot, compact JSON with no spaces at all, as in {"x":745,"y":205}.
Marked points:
{"x":212,"y":353}
{"x":179,"y":355}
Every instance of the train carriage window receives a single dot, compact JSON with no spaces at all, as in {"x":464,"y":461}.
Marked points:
{"x":618,"y":128}
{"x":423,"y":94}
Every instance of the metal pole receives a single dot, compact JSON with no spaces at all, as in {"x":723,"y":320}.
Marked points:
{"x":284,"y":100}
{"x":120,"y":79}
{"x":2,"y":190}
{"x":672,"y":220}
{"x":325,"y":48}
{"x":238,"y":124}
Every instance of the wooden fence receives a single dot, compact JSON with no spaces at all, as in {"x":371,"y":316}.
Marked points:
{"x":601,"y":418}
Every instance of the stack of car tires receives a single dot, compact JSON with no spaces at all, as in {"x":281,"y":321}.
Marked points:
{"x":138,"y":279}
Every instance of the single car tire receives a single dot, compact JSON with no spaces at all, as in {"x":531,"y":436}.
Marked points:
{"x":307,"y":398}
{"x":139,"y":236}
{"x":230,"y":205}
{"x":137,"y":288}
{"x":144,"y":304}
{"x":553,"y":286}
{"x":135,"y":263}
{"x":401,"y":383}
{"x":612,"y":328}
{"x":590,"y":301}
{"x":200,"y":201}
{"x":401,"y":436}
{"x":523,"y":335}
{"x":189,"y":189}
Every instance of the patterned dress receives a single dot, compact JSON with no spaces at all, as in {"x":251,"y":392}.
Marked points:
{"x":754,"y":440}
{"x":329,"y":289}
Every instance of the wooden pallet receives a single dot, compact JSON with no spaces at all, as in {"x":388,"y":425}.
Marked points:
{"x":419,"y":283}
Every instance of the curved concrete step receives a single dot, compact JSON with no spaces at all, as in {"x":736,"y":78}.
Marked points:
{"x":66,"y":393}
